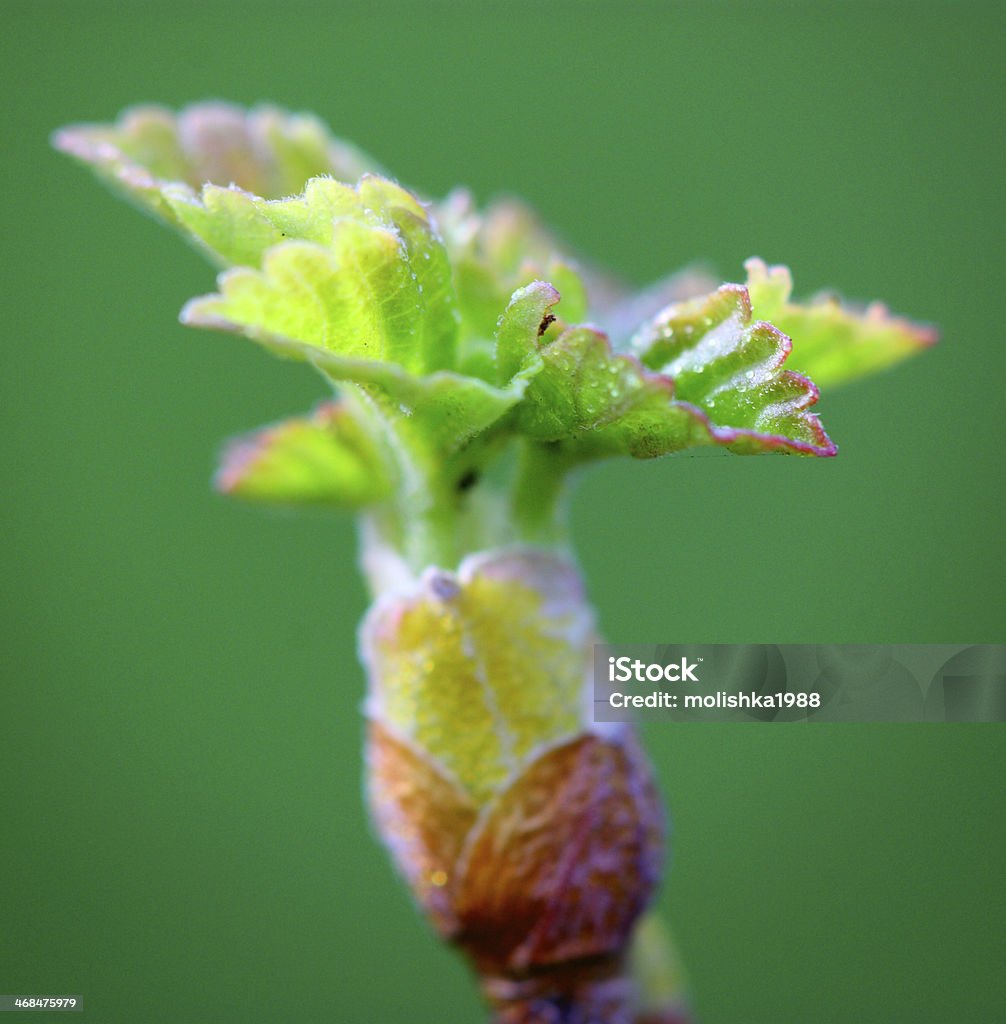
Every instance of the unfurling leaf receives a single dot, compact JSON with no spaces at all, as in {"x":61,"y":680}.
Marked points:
{"x":355,"y":280}
{"x":701,"y":373}
{"x":362,"y":274}
{"x":525,"y":319}
{"x":322,"y":459}
{"x":237,"y":227}
{"x":729,"y":368}
{"x":833,"y":343}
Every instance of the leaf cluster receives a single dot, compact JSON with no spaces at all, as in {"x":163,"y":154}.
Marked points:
{"x":455,"y":327}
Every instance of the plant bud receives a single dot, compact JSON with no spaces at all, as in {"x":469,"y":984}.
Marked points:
{"x":531,"y":838}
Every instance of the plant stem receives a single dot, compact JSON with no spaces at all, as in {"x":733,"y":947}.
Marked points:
{"x":537,"y":505}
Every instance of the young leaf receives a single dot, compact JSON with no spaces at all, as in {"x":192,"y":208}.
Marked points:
{"x":236,"y":227}
{"x":729,"y":369}
{"x":368,"y":294}
{"x":833,"y":343}
{"x":598,"y":403}
{"x":525,"y":319}
{"x":449,"y":407}
{"x":325,"y":459}
{"x":361,"y":288}
{"x":265,"y":151}
{"x":703,"y":375}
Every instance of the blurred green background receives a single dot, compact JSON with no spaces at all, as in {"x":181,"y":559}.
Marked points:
{"x":182,"y":836}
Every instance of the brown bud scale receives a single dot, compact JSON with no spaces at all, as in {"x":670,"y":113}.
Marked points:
{"x":542,"y":886}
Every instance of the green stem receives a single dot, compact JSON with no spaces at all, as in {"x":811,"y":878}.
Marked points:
{"x":537,"y":500}
{"x":492,"y":492}
{"x":418,"y":521}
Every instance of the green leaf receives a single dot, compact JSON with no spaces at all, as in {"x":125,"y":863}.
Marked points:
{"x":729,"y":367}
{"x":371,"y":291}
{"x":833,"y":343}
{"x":361,"y":288}
{"x":525,"y":319}
{"x":324,"y":459}
{"x":450,"y":408}
{"x":598,"y":403}
{"x":703,"y":374}
{"x":237,"y":227}
{"x":265,"y":151}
